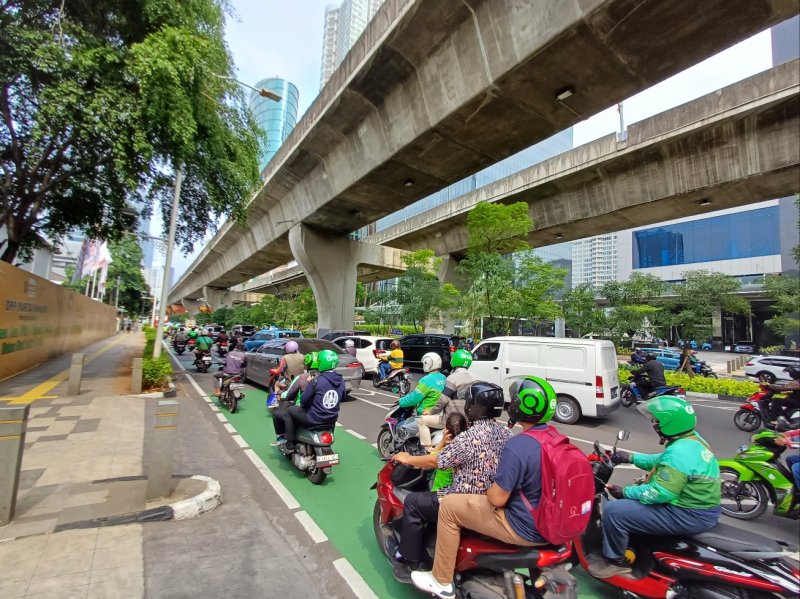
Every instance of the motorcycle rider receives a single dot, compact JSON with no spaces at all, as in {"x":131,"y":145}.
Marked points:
{"x":682,"y":495}
{"x":235,"y":362}
{"x":293,"y":393}
{"x":775,"y":406}
{"x":637,"y":357}
{"x":392,"y":362}
{"x":180,"y":337}
{"x":193,"y":333}
{"x":429,"y":388}
{"x":501,"y":512}
{"x":654,"y":371}
{"x":449,"y":400}
{"x":202,"y":346}
{"x":473,"y":456}
{"x":290,"y":366}
{"x":350,"y":347}
{"x":319,"y":403}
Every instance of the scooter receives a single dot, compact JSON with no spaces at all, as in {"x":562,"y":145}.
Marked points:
{"x":631,"y":395}
{"x":222,"y":349}
{"x":399,"y":432}
{"x":749,"y":417}
{"x":703,"y":369}
{"x":313,"y":452}
{"x":231,"y":393}
{"x":203,"y":361}
{"x":756,"y":477}
{"x":485,"y":567}
{"x":398,"y":381}
{"x":180,"y":347}
{"x":723,"y":563}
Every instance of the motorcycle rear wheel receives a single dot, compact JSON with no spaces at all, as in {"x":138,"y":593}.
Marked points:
{"x":751,"y":492}
{"x":626,"y":397}
{"x":376,"y":378}
{"x":405,"y":387}
{"x":316,"y":476}
{"x":234,"y":402}
{"x":747,"y":420}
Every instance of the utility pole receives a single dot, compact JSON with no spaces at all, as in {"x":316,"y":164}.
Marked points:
{"x":116,"y":295}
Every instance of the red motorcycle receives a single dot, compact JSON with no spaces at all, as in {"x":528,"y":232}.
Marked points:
{"x":723,"y":563}
{"x":485,"y":567}
{"x":749,"y":417}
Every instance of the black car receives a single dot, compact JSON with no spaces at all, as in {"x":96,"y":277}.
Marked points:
{"x":417,"y":345}
{"x":330,"y":336}
{"x":243,"y":330}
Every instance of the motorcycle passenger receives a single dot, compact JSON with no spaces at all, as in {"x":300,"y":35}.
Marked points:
{"x":320,"y":401}
{"x":501,"y":512}
{"x":473,"y":457}
{"x":654,"y":371}
{"x":203,"y":346}
{"x":637,"y":357}
{"x":350,"y":347}
{"x":682,"y":495}
{"x":791,"y":402}
{"x":180,"y":337}
{"x":392,"y":362}
{"x":235,"y":362}
{"x":290,"y":366}
{"x":792,"y":461}
{"x":193,"y":333}
{"x":449,"y":401}
{"x":429,"y":388}
{"x":294,"y":393}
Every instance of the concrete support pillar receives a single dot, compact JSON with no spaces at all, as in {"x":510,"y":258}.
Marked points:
{"x":13,"y":422}
{"x":162,"y":450}
{"x":75,"y":375}
{"x":330,"y":263}
{"x":716,"y":328}
{"x":446,"y":274}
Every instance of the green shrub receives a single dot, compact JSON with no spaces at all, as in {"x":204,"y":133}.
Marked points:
{"x":155,"y":372}
{"x":771,"y":350}
{"x":700,"y":384}
{"x":383,"y":329}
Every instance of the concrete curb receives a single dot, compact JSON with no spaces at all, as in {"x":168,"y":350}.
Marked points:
{"x":169,"y":393}
{"x":696,"y":395}
{"x":199,"y":504}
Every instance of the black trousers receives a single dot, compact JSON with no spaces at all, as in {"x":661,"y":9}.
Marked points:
{"x":294,"y":415}
{"x":790,"y":404}
{"x":421,"y":509}
{"x":278,"y":414}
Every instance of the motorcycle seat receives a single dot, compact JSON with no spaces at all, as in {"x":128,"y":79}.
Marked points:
{"x":321,"y":427}
{"x":729,"y":538}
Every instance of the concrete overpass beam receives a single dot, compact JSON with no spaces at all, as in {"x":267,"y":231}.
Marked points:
{"x":330,"y":263}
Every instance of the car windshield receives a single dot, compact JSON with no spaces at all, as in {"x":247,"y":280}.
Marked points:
{"x":309,"y":345}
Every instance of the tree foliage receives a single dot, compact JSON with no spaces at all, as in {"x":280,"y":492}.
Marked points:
{"x":420,"y":294}
{"x":581,"y":313}
{"x":98,"y":100}
{"x":633,"y":305}
{"x":785,"y":290}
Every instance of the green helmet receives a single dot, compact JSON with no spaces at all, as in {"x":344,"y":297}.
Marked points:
{"x":311,"y":361}
{"x":461,"y":358}
{"x":328,"y":360}
{"x":672,"y":416}
{"x":533,"y":400}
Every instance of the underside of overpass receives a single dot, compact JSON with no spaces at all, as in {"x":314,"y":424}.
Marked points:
{"x":435,"y":90}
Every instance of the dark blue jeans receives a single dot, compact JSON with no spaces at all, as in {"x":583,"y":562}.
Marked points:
{"x":793,"y":462}
{"x":624,"y":517}
{"x":384,"y":369}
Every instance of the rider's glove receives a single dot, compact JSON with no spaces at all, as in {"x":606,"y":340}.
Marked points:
{"x":621,"y":457}
{"x":615,"y":491}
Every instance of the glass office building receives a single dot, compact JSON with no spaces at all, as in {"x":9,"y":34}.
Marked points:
{"x":277,"y":119}
{"x":344,"y":24}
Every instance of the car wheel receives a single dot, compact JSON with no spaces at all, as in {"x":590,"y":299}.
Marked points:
{"x":766,"y":376}
{"x":567,"y":410}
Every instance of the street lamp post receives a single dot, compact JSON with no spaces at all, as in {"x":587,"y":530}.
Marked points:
{"x":264,"y":93}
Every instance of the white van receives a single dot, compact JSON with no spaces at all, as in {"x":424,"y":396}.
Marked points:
{"x":583,"y":372}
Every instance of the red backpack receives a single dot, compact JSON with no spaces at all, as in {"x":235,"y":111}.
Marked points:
{"x":565,"y":504}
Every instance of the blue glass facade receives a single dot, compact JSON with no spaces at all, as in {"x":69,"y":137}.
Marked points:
{"x":727,"y":237}
{"x":277,"y":119}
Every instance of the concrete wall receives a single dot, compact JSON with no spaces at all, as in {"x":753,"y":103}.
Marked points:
{"x":40,"y":320}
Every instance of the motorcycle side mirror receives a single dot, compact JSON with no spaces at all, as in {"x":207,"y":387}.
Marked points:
{"x":782,"y":425}
{"x":623,"y":435}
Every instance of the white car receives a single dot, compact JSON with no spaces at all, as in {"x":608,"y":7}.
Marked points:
{"x":770,"y":367}
{"x":367,"y":349}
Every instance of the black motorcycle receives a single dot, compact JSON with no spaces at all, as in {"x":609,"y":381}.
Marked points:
{"x":630,"y":394}
{"x":398,"y":381}
{"x":179,"y":347}
{"x":313,"y":451}
{"x":202,"y":361}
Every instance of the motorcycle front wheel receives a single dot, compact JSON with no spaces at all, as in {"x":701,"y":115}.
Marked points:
{"x":743,"y":500}
{"x":385,"y":443}
{"x":747,"y":420}
{"x":377,"y":526}
{"x":405,"y":387}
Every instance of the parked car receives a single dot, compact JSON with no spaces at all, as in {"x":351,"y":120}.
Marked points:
{"x":263,"y":335}
{"x":770,"y":367}
{"x":331,"y":335}
{"x":744,"y":347}
{"x":367,"y":349}
{"x":269,"y":353}
{"x":417,"y":345}
{"x":583,"y":372}
{"x":243,"y":330}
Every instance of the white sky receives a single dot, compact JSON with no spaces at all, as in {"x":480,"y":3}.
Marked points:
{"x":276,"y":37}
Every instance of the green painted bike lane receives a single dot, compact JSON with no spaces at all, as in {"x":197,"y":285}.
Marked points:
{"x":342,"y":506}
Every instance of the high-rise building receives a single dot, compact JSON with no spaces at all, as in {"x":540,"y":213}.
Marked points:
{"x":344,"y":24}
{"x":276,"y":119}
{"x":594,"y":260}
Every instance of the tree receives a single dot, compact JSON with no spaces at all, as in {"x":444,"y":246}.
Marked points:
{"x":785,"y":290}
{"x":633,"y":304}
{"x":531,"y":293}
{"x":419,"y":293}
{"x":99,"y":102}
{"x":581,"y":313}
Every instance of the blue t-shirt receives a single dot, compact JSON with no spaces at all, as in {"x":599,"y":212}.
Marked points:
{"x":520,"y":468}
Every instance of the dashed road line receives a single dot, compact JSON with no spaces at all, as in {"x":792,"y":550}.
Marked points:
{"x":353,"y":579}
{"x":277,"y":485}
{"x":355,"y":434}
{"x":240,"y":441}
{"x":313,"y":530}
{"x":220,"y":416}
{"x":230,"y":428}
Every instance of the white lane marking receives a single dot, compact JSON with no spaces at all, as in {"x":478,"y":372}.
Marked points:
{"x":314,"y":531}
{"x":339,"y":424}
{"x":375,"y":445}
{"x":353,"y":579}
{"x":221,"y":417}
{"x":230,"y":428}
{"x":240,"y":441}
{"x":277,"y":485}
{"x":213,"y":408}
{"x":372,"y":403}
{"x":355,"y":434}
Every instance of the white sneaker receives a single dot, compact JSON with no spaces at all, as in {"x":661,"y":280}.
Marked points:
{"x":425,"y":581}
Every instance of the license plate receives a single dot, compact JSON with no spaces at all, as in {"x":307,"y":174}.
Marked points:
{"x":207,"y":359}
{"x":328,"y":459}
{"x":237,"y":386}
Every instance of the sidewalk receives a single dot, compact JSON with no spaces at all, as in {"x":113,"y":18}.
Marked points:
{"x":83,"y":461}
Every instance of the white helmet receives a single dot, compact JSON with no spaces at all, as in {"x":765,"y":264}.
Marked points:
{"x":431,"y":361}
{"x":349,"y":343}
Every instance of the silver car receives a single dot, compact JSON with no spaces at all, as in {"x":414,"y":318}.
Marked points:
{"x":261,"y":360}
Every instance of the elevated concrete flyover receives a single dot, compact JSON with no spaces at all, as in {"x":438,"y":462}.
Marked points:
{"x":735,"y":146}
{"x":435,"y":90}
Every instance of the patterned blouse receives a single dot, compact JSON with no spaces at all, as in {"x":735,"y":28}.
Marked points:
{"x":473,"y":455}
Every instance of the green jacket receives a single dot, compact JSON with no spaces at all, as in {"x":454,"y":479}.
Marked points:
{"x":685,"y":475}
{"x":426,"y":394}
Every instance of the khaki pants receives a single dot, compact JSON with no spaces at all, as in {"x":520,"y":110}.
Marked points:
{"x":426,"y":423}
{"x":475,"y":513}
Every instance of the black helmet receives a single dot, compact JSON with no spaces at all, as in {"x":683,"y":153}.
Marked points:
{"x":482,"y":400}
{"x":793,"y":372}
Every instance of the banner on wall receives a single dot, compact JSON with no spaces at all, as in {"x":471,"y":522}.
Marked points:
{"x":40,"y":320}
